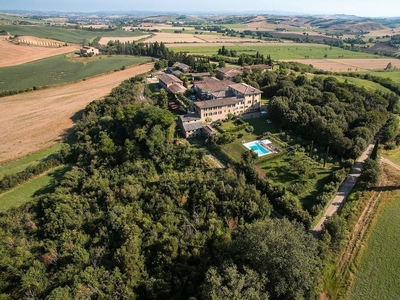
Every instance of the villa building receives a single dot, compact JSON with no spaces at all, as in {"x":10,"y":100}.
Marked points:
{"x":225,"y":97}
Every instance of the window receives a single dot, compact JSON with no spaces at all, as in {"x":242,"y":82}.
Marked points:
{"x":248,"y":101}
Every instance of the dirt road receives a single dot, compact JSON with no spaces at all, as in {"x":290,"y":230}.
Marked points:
{"x":33,"y":121}
{"x":390,"y":163}
{"x":344,"y":189}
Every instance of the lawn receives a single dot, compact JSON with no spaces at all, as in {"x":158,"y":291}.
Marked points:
{"x":66,"y":34}
{"x":29,"y":190}
{"x":236,"y":149}
{"x":33,"y":159}
{"x":277,"y":52}
{"x":377,"y":276}
{"x":60,"y":69}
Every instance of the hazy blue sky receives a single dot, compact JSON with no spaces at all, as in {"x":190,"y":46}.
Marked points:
{"x":372,"y":8}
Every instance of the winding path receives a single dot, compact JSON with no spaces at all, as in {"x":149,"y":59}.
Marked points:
{"x":344,"y":190}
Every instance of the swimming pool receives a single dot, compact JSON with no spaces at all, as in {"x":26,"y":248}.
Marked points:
{"x":256,"y":146}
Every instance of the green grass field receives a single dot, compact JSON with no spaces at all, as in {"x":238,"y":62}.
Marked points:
{"x":277,"y":52}
{"x":29,"y":190}
{"x":64,"y":34}
{"x":11,"y":18}
{"x":60,"y":69}
{"x":33,"y":159}
{"x":369,"y":85}
{"x":394,"y":75}
{"x":378,"y":276}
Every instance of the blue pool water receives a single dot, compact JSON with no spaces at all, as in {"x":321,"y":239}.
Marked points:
{"x":256,"y":146}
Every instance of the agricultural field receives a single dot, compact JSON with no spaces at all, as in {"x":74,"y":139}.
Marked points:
{"x":355,"y":64}
{"x":184,"y":38}
{"x":54,"y":108}
{"x":65,"y":34}
{"x":377,"y":275}
{"x":29,"y":190}
{"x":280,"y":51}
{"x":61,"y":69}
{"x":13,"y":55}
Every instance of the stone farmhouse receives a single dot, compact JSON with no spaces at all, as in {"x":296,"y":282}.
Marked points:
{"x":225,"y":97}
{"x":89,"y":50}
{"x":171,"y":83}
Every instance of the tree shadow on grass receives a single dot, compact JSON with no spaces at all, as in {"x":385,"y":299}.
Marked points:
{"x":56,"y":174}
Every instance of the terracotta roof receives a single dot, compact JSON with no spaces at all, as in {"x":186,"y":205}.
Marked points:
{"x":223,"y":94}
{"x":176,"y":88}
{"x":211,"y":86}
{"x":182,"y":66}
{"x":209,"y":130}
{"x":217,"y":102}
{"x":230,"y":72}
{"x":203,"y":74}
{"x":168,"y":78}
{"x":245,"y":89}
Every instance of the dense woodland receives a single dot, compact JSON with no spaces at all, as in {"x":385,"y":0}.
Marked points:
{"x":141,"y":216}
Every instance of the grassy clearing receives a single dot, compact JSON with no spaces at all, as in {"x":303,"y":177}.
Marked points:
{"x":377,"y":276}
{"x":393,"y":155}
{"x":33,"y":159}
{"x":65,"y":34}
{"x":394,"y":75}
{"x":60,"y":69}
{"x":369,"y":85}
{"x":29,"y":190}
{"x":289,"y":51}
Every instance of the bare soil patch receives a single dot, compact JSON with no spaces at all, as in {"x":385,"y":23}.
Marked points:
{"x":39,"y":119}
{"x":344,"y":65}
{"x":12,"y":54}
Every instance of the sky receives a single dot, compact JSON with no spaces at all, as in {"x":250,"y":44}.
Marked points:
{"x":364,"y":8}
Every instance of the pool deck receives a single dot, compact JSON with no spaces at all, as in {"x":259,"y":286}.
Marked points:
{"x":266,"y":144}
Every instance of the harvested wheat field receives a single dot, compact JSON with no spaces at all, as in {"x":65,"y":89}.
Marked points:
{"x":105,"y":40}
{"x":12,"y":54}
{"x":353,"y":65}
{"x":35,"y":41}
{"x":182,"y":38}
{"x":36,"y":120}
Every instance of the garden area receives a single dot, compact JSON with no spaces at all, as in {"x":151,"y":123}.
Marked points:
{"x":309,"y":175}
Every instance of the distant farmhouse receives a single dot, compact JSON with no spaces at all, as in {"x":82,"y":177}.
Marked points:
{"x":89,"y":51}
